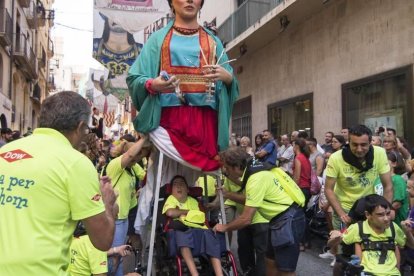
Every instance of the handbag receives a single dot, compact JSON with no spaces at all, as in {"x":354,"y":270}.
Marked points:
{"x":315,"y":184}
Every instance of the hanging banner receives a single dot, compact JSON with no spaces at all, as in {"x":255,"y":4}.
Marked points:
{"x":119,"y":37}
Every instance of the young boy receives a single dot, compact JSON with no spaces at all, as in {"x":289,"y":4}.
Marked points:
{"x":379,"y":229}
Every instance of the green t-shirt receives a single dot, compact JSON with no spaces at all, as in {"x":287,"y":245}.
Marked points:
{"x":85,"y":259}
{"x":173,"y":203}
{"x":264,"y":192}
{"x":370,"y":259}
{"x":124,"y":184}
{"x":352,"y":184}
{"x":400,"y":195}
{"x":46,"y":186}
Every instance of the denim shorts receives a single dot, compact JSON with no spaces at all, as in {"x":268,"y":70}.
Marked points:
{"x":285,"y":233}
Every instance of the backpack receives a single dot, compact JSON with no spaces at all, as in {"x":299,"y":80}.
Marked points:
{"x":290,"y":186}
{"x":382,"y":246}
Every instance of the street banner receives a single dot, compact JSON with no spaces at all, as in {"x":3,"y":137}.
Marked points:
{"x":119,"y":37}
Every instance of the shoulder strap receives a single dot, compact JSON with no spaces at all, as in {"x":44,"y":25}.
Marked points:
{"x":364,"y":237}
{"x":392,"y":231}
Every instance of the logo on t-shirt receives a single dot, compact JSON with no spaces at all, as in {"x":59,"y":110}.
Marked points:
{"x":103,"y":263}
{"x":15,"y":155}
{"x":96,"y":197}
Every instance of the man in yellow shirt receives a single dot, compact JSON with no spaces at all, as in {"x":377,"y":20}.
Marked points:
{"x":264,"y":194}
{"x":46,"y":186}
{"x":351,"y":173}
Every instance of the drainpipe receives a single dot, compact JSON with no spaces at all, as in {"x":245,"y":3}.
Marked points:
{"x":11,"y":56}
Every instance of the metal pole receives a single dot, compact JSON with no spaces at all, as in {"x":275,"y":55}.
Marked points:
{"x":223,"y":212}
{"x":154,"y":214}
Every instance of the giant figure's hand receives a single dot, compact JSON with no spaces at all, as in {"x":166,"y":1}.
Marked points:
{"x":161,"y":85}
{"x":216,"y":73}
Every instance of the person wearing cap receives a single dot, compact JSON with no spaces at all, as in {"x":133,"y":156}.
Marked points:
{"x":186,"y":214}
{"x":264,"y":194}
{"x":6,"y":136}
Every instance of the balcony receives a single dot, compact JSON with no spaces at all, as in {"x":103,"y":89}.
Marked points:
{"x":258,"y":22}
{"x":24,"y":3}
{"x":51,"y":83}
{"x":50,"y":48}
{"x":6,"y":28}
{"x":25,"y":57}
{"x":31,"y":14}
{"x":36,"y":94}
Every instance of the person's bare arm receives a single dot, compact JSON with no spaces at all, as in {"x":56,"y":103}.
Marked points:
{"x":387,"y":186}
{"x":296,"y":172}
{"x":129,"y":158}
{"x":319,"y":165}
{"x":242,"y":221}
{"x":261,"y":154}
{"x":101,"y":227}
{"x":175,"y":213}
{"x":236,"y":197}
{"x":333,"y":200}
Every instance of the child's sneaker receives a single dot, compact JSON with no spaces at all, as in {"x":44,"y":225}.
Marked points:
{"x":327,"y":255}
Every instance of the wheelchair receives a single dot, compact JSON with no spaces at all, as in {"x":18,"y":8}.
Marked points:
{"x":167,"y":256}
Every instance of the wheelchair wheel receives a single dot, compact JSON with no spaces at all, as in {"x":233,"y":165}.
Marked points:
{"x":228,"y":264}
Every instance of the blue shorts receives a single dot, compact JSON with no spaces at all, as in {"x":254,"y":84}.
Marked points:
{"x":200,"y":241}
{"x":285,"y":233}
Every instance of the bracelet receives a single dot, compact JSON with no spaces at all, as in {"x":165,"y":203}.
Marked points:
{"x":148,"y":87}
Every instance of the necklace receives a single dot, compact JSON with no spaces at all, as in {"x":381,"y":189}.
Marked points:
{"x":186,"y":31}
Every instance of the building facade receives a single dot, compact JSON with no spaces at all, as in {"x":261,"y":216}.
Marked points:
{"x":25,"y":50}
{"x":319,"y":65}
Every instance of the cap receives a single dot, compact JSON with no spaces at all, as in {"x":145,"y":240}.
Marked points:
{"x":195,"y":219}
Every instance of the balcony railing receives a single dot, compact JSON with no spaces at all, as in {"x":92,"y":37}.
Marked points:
{"x":31,"y":14}
{"x":245,"y":16}
{"x":25,"y":56}
{"x":6,"y":28}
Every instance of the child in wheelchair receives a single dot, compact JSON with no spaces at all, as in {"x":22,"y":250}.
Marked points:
{"x":189,"y":225}
{"x":376,"y":240}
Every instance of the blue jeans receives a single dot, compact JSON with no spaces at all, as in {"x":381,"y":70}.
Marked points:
{"x":121,"y":229}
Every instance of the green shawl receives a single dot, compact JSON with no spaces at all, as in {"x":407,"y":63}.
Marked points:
{"x":147,"y":66}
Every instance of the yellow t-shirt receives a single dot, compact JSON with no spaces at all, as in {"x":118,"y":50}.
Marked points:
{"x":124,"y":184}
{"x":173,"y":203}
{"x":231,"y":187}
{"x":350,"y":183}
{"x":370,"y":259}
{"x":45,"y":187}
{"x":211,"y":185}
{"x":264,"y":192}
{"x":85,"y":259}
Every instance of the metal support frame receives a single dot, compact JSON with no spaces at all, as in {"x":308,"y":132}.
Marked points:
{"x":154,"y":214}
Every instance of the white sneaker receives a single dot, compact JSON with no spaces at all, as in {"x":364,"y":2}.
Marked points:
{"x":333,"y":262}
{"x":327,"y":255}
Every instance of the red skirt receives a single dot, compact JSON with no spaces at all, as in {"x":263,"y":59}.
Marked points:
{"x":193,"y":132}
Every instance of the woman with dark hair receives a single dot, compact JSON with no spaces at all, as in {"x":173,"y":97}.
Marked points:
{"x":302,"y":176}
{"x":338,"y":142}
{"x":258,"y":141}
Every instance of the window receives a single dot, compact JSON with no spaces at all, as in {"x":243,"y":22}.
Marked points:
{"x":292,"y":114}
{"x":242,"y":117}
{"x":381,"y":100}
